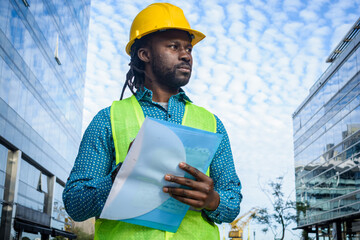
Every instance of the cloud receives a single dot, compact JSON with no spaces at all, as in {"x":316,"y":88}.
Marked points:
{"x":253,"y":69}
{"x":292,"y":5}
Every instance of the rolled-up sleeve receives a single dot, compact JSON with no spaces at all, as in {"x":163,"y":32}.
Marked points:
{"x":90,"y":181}
{"x":226,"y":181}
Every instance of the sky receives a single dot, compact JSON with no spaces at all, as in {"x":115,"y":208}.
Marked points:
{"x":253,"y":69}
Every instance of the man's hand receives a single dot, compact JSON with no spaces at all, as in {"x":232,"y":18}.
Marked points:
{"x":201,"y":195}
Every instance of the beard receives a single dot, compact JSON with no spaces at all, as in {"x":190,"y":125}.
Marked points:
{"x":170,"y":77}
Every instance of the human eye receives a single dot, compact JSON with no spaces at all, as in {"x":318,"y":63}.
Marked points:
{"x":189,"y":49}
{"x":173,"y":46}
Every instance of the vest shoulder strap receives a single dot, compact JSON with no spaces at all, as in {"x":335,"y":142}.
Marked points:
{"x":126,"y":118}
{"x":199,"y":117}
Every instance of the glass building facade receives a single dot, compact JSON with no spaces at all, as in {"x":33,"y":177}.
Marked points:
{"x":327,"y":147}
{"x":43,"y":49}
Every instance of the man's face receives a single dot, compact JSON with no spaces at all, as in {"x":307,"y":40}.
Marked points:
{"x":171,"y":61}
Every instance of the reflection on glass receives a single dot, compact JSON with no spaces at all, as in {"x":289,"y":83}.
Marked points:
{"x":3,"y":161}
{"x":336,"y":117}
{"x":327,"y":164}
{"x":6,"y":76}
{"x":62,"y":219}
{"x":325,"y":93}
{"x":4,"y":11}
{"x":31,"y":187}
{"x":46,"y":99}
{"x":337,"y":178}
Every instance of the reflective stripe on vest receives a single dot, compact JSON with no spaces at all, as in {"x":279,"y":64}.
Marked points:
{"x":126,"y":119}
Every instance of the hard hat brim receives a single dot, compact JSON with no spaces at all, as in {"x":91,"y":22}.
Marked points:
{"x":197,"y":36}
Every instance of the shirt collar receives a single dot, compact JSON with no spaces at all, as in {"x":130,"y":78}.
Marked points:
{"x":146,"y":95}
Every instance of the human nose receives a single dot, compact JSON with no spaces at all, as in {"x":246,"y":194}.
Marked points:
{"x":185,"y":55}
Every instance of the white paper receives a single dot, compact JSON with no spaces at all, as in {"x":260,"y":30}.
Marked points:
{"x":155,"y":152}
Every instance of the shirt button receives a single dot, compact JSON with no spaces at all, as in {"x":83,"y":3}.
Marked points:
{"x":169,"y":115}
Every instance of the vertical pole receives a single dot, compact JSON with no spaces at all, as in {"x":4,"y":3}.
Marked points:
{"x":317,"y":232}
{"x":49,"y":202}
{"x":334,"y":231}
{"x":348,"y":230}
{"x":10,"y":193}
{"x":338,"y":230}
{"x":19,"y":235}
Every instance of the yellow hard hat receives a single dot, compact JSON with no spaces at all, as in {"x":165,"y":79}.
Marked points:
{"x":160,"y":16}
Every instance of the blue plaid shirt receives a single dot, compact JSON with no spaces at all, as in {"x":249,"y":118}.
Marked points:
{"x":90,"y":180}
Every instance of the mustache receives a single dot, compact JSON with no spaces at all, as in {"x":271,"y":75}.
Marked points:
{"x":183,"y":64}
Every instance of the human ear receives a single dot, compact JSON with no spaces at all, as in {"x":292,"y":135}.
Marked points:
{"x":144,"y":54}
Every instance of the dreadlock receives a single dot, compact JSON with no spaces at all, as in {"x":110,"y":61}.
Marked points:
{"x":135,"y":77}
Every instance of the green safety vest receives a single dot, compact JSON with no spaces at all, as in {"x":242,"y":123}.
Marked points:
{"x":126,"y":119}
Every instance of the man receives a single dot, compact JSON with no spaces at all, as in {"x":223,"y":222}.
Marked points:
{"x":160,"y":46}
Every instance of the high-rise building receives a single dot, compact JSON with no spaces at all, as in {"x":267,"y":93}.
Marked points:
{"x":43,"y":49}
{"x":327,"y":147}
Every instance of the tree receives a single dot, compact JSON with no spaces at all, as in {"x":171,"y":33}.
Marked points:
{"x":283,"y":211}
